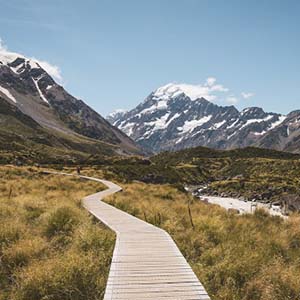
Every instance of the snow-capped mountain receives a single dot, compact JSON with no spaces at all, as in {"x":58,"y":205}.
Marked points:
{"x":28,"y":90}
{"x":115,"y":115}
{"x":173,"y":117}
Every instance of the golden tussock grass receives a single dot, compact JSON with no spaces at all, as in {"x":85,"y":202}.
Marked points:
{"x":50,"y":247}
{"x":249,"y":257}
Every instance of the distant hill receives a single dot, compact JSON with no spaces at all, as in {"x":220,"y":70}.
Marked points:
{"x":266,"y":175}
{"x":199,"y":164}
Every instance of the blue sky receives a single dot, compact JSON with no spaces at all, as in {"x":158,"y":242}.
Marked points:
{"x":113,"y":53}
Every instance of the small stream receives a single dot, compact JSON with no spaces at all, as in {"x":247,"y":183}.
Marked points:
{"x":242,"y":206}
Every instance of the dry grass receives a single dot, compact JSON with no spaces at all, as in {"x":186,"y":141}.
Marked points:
{"x":50,"y":248}
{"x":250,"y":257}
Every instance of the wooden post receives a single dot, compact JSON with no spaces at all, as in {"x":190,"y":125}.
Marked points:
{"x":10,"y":192}
{"x":159,"y":219}
{"x":190,"y":215}
{"x":145,"y":217}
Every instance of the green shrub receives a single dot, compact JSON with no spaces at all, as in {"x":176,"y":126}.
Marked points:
{"x":61,"y":222}
{"x":92,"y":238}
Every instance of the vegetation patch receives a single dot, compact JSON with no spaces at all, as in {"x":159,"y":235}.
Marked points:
{"x":50,"y":247}
{"x":248,"y":257}
{"x":252,"y":173}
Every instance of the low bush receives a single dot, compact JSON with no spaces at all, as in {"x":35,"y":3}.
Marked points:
{"x":61,"y":222}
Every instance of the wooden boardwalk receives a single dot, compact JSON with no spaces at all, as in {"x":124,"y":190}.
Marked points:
{"x":146,"y":262}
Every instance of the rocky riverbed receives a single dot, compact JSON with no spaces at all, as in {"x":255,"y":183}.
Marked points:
{"x":239,"y":203}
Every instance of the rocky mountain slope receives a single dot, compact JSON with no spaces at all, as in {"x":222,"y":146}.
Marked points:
{"x":286,"y":136}
{"x":33,"y":107}
{"x":171,"y":119}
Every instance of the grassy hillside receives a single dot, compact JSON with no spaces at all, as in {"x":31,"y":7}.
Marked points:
{"x":50,"y":247}
{"x":23,"y":140}
{"x":196,"y":165}
{"x":187,"y":155}
{"x":249,"y":257}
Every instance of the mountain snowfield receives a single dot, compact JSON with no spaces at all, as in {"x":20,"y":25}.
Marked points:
{"x":177,"y":116}
{"x":19,"y":64}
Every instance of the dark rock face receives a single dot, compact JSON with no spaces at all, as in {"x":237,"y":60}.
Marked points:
{"x":26,"y":85}
{"x":284,"y":137}
{"x":292,"y":202}
{"x":175,"y":121}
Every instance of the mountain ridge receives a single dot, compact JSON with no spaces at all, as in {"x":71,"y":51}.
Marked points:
{"x":30,"y":91}
{"x":172,"y":119}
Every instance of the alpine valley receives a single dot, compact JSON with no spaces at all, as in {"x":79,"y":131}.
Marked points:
{"x":174,"y":118}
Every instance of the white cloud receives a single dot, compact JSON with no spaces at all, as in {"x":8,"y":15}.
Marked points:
{"x":219,"y":88}
{"x":53,"y":70}
{"x":2,"y":46}
{"x":210,"y":81}
{"x":247,"y":95}
{"x":232,"y":99}
{"x":209,"y":90}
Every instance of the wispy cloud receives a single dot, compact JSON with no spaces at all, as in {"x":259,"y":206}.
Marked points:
{"x":210,"y":81}
{"x":216,"y":92}
{"x":210,"y":89}
{"x":247,"y":95}
{"x":232,"y":99}
{"x":2,"y":45}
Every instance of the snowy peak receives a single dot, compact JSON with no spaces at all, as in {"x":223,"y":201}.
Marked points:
{"x":194,"y":92}
{"x":17,"y":62}
{"x":177,"y":116}
{"x":168,"y":92}
{"x":19,"y":74}
{"x":251,"y":112}
{"x":7,"y":57}
{"x":27,"y":86}
{"x":174,"y":90}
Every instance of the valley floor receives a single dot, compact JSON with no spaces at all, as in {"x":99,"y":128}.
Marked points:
{"x":52,"y":249}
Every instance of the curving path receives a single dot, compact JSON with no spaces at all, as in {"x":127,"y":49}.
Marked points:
{"x":146,"y":262}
